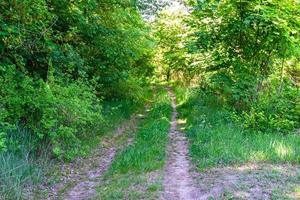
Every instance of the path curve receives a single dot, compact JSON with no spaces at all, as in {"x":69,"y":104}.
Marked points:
{"x":178,"y":181}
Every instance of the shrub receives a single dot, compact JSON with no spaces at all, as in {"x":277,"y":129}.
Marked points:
{"x":60,"y":113}
{"x":275,"y":111}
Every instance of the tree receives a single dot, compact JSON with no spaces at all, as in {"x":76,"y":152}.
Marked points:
{"x":248,"y":41}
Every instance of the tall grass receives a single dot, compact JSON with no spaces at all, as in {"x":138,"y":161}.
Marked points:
{"x":20,"y":170}
{"x":218,"y":140}
{"x":116,"y":110}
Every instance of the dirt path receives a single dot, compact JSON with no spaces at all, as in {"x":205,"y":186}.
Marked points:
{"x":80,"y":178}
{"x":88,"y":181}
{"x":178,"y":181}
{"x":251,"y":181}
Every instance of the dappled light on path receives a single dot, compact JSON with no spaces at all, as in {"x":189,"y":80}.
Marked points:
{"x":178,"y":182}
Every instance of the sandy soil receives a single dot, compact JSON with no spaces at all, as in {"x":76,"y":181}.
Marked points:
{"x":178,"y":181}
{"x":250,"y":182}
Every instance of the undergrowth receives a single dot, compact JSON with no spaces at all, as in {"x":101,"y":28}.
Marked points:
{"x":216,"y":139}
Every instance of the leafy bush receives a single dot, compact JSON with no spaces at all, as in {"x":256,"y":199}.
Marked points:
{"x":59,"y":113}
{"x":275,"y":111}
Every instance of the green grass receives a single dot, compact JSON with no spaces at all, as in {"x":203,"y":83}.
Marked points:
{"x":128,"y":175}
{"x":216,"y":140}
{"x":19,"y":166}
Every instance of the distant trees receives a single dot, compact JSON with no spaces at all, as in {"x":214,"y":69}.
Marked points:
{"x":171,"y":33}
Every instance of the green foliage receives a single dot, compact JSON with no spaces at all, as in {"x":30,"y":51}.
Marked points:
{"x":172,"y":58}
{"x":275,"y":112}
{"x":59,"y":59}
{"x":218,"y":140}
{"x":58,"y":114}
{"x":99,"y":40}
{"x":27,"y":166}
{"x":69,"y":70}
{"x":249,"y":52}
{"x":248,"y":41}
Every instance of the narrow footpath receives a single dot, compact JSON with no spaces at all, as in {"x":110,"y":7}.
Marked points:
{"x":178,"y":181}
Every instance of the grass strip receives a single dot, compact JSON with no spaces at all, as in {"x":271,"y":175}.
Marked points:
{"x":132,"y":174}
